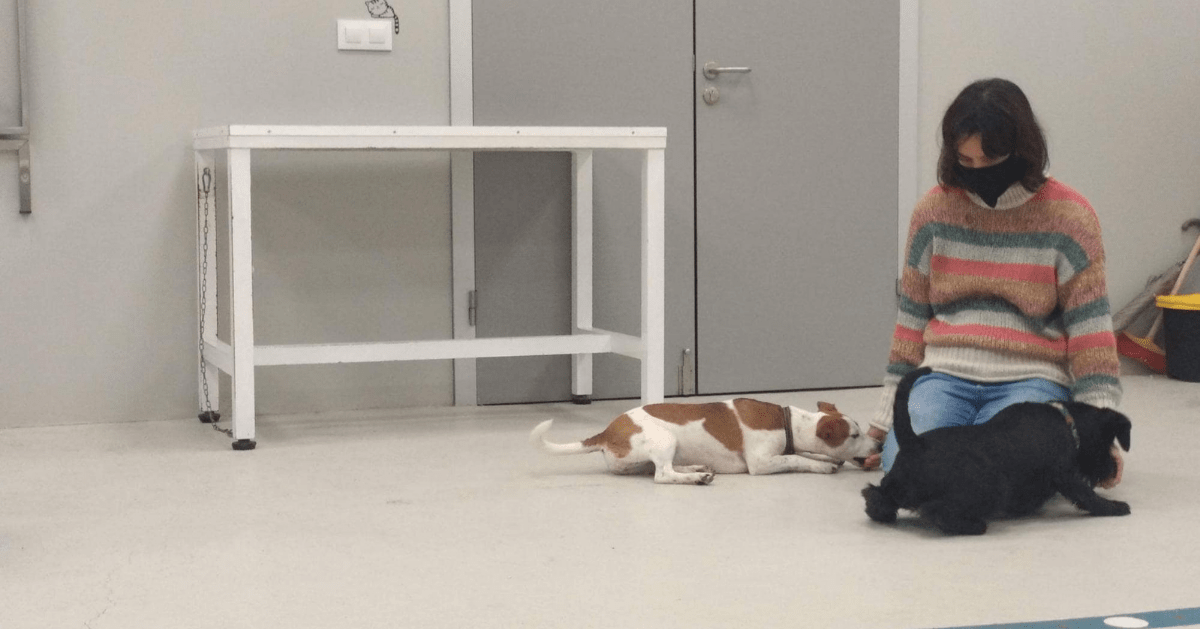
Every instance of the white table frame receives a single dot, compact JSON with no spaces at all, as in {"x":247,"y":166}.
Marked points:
{"x":240,"y":355}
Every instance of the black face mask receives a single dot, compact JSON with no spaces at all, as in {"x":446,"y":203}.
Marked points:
{"x":990,"y":182}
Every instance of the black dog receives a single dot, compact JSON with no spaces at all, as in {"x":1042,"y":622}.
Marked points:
{"x":958,"y":477}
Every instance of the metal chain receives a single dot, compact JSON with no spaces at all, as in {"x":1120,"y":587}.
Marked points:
{"x":206,"y":189}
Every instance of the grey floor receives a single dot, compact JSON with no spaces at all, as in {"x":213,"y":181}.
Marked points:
{"x":447,"y":518}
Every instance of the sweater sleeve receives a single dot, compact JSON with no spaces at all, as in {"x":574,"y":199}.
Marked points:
{"x":915,"y":312}
{"x":1087,"y":316}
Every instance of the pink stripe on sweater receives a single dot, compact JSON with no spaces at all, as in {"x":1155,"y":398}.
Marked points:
{"x":1094,"y":340}
{"x":999,"y":270}
{"x":909,"y":334}
{"x":994,"y":332}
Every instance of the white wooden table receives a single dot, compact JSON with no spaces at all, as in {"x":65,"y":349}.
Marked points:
{"x":239,"y":356}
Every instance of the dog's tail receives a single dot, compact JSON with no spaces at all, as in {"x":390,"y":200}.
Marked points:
{"x":538,"y":438}
{"x":901,"y":420}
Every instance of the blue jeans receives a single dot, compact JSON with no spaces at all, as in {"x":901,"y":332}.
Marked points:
{"x":938,"y":400}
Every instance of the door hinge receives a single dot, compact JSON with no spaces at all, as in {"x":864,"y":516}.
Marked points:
{"x":472,"y":307}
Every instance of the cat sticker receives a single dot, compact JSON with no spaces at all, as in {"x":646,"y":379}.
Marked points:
{"x":381,"y":9}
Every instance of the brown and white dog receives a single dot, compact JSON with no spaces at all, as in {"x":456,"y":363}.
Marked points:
{"x":688,"y":443}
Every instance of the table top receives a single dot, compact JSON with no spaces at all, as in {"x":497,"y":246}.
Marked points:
{"x":297,"y":137}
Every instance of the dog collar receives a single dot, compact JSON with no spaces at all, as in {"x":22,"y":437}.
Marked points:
{"x":790,"y":443}
{"x":1070,"y":420}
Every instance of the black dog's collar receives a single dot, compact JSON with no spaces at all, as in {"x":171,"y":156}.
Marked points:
{"x":790,"y":445}
{"x":1070,"y":420}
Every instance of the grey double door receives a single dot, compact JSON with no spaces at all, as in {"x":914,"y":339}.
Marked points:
{"x":781,"y":188}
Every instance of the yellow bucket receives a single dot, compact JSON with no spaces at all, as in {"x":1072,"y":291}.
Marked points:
{"x":1181,"y":333}
{"x":1179,"y":302}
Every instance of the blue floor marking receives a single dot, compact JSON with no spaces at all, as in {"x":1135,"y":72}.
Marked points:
{"x":1157,"y":620}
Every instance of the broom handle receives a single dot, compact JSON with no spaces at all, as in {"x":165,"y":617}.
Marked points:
{"x":1187,"y":265}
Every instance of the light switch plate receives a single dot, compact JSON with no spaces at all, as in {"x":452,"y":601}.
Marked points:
{"x":364,"y":35}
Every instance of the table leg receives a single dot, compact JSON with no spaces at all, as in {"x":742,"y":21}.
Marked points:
{"x":653,"y":274}
{"x":241,"y":278}
{"x":581,"y":270}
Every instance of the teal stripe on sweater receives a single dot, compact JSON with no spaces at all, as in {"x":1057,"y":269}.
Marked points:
{"x":899,"y":369}
{"x":918,"y":310}
{"x":1000,"y":313}
{"x":1096,"y":309}
{"x":1093,"y":382}
{"x":1062,"y":243}
{"x":985,"y":304}
{"x":1091,"y":310}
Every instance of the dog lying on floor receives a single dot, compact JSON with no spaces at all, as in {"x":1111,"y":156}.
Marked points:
{"x":958,"y":477}
{"x":689,"y":443}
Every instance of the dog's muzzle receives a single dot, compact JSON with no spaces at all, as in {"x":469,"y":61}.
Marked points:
{"x":861,"y":460}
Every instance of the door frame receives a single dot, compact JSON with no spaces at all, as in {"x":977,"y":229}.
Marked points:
{"x":462,"y":194}
{"x":462,"y":197}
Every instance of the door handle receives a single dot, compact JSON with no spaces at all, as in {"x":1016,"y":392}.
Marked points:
{"x":712,"y":71}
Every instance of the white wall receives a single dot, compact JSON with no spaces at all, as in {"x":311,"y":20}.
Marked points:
{"x":97,"y":287}
{"x":1115,"y":84}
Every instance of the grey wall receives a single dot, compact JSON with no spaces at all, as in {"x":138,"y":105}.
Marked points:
{"x":97,"y":287}
{"x":621,"y":63}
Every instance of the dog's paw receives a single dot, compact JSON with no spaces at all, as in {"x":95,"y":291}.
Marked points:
{"x":880,"y":508}
{"x":706,"y":478}
{"x":694,"y":469}
{"x":1112,"y":507}
{"x":826,"y":468}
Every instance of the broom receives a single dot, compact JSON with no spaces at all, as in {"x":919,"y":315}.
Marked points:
{"x":1144,"y":349}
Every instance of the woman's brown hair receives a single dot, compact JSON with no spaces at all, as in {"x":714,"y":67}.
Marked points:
{"x":998,"y":111}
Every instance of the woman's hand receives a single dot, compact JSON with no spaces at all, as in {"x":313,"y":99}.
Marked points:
{"x":874,"y":460}
{"x":1116,"y":479}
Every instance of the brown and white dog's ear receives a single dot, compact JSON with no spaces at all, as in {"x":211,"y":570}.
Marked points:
{"x":833,"y":430}
{"x":826,"y":407}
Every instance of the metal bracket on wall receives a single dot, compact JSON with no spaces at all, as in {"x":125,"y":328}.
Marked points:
{"x":16,"y":138}
{"x":21,"y":146}
{"x":687,"y":373}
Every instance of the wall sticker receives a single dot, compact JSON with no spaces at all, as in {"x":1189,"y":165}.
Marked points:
{"x":381,"y":9}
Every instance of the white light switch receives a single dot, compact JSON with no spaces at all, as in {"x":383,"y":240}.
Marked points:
{"x":364,"y":35}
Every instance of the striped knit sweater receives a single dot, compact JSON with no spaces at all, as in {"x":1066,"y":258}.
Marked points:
{"x":1004,"y":294}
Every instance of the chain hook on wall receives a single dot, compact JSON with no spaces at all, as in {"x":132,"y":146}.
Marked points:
{"x":208,"y":416}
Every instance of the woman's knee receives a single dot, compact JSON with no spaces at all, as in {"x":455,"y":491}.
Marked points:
{"x":1033,"y":390}
{"x":938,"y":400}
{"x":1041,"y":390}
{"x":888,"y":454}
